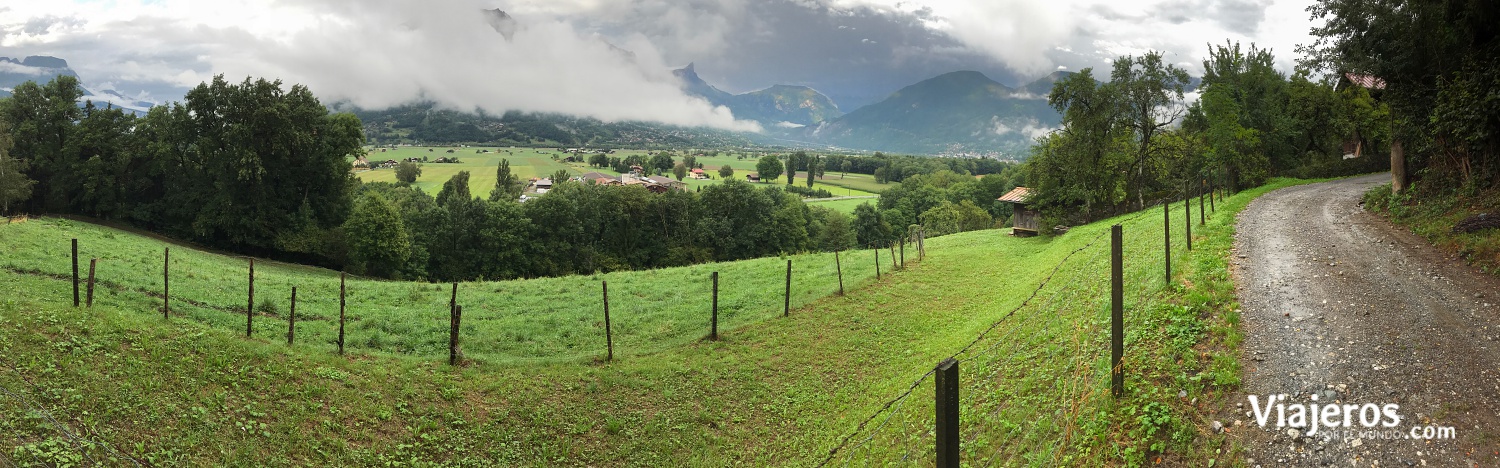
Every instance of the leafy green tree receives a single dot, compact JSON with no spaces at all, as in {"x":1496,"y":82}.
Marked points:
{"x":15,"y":187}
{"x":378,"y":242}
{"x":42,"y":125}
{"x":680,"y":171}
{"x":661,"y":162}
{"x":407,"y":172}
{"x":845,"y":168}
{"x":455,"y":190}
{"x":559,"y":177}
{"x":507,"y":185}
{"x":1080,"y":169}
{"x":1149,"y":93}
{"x":769,"y":167}
{"x":814,"y":165}
{"x":726,"y":172}
{"x":599,"y":160}
{"x":835,"y":232}
{"x":794,"y":162}
{"x":949,"y":218}
{"x":690,"y":161}
{"x":870,"y":228}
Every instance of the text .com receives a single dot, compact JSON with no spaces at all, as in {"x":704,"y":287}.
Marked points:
{"x":1341,"y":421}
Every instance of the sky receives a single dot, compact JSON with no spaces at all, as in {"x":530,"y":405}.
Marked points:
{"x":611,"y":59}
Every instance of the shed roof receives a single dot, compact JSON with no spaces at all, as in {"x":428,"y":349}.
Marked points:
{"x":1365,"y":81}
{"x":1019,"y":195}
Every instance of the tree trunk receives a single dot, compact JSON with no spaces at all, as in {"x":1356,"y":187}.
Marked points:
{"x":1398,"y":167}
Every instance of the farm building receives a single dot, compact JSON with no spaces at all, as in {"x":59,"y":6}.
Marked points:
{"x":667,"y":182}
{"x":1024,"y":220}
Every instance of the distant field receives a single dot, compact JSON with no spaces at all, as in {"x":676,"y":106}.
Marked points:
{"x":847,"y":205}
{"x":534,"y":162}
{"x":550,"y":319}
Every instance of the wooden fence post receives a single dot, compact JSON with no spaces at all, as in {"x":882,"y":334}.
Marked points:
{"x":903,"y":253}
{"x":75,"y":272}
{"x":92,"y":263}
{"x":713,"y":324}
{"x":1202,"y":219}
{"x":786,"y":310}
{"x":1166,"y":235}
{"x":1187,"y":218}
{"x":609,"y":339}
{"x":341,"y":312}
{"x":839,"y":267}
{"x":456,"y":315}
{"x":877,"y":263}
{"x":250,"y":302}
{"x":1211,"y":191}
{"x":291,"y":318}
{"x":946,"y":391}
{"x":893,"y":256}
{"x":166,"y":292}
{"x":1117,"y":312}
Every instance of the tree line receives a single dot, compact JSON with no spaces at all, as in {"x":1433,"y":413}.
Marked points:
{"x":250,"y":167}
{"x":1133,"y":140}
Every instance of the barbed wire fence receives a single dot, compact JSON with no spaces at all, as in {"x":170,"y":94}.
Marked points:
{"x":1067,"y":376}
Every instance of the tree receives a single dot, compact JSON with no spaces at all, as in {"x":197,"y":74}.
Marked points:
{"x":1149,"y":93}
{"x":661,"y":162}
{"x":559,"y":177}
{"x":845,"y":168}
{"x":378,"y":242}
{"x":15,"y":187}
{"x":870,"y":228}
{"x":680,"y":170}
{"x":599,"y":160}
{"x":793,"y":163}
{"x":407,"y":172}
{"x":690,"y":161}
{"x":814,"y":164}
{"x":455,"y":190}
{"x":769,"y":167}
{"x":507,"y":185}
{"x":726,"y":172}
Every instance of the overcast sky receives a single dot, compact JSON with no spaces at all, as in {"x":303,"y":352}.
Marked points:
{"x":563,"y":58}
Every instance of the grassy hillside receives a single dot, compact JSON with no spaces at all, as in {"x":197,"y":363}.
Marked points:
{"x":119,"y":382}
{"x":538,"y":319}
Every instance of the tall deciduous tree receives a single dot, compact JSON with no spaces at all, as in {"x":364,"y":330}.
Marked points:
{"x":769,"y":167}
{"x":378,"y":242}
{"x":15,"y":187}
{"x":407,"y":172}
{"x":1149,"y":93}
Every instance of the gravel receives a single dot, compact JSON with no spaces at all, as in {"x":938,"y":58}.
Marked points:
{"x":1341,"y":306}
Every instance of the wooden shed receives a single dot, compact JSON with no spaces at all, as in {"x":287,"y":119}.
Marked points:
{"x":1024,"y":220}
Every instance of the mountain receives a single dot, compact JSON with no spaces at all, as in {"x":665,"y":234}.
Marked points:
{"x":42,"y":69}
{"x":958,"y":112}
{"x":776,"y":106}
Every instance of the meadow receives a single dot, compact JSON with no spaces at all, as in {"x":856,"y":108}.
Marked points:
{"x":842,"y":375}
{"x":557,"y":319}
{"x":527,"y":163}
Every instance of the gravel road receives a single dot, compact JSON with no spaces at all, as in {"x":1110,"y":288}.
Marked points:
{"x":1341,"y":306}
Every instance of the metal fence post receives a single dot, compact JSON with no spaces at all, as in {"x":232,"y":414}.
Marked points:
{"x":713,"y":325}
{"x":1187,"y":221}
{"x":75,"y":272}
{"x":1166,"y":234}
{"x":609,"y":339}
{"x":1117,"y":312}
{"x":786,"y":310}
{"x":947,"y":413}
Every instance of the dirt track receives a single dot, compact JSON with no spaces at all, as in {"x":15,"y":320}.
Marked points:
{"x":1340,"y":304}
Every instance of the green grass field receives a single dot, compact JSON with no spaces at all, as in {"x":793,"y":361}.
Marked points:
{"x":118,"y":382}
{"x":558,"y":319}
{"x":526,"y":163}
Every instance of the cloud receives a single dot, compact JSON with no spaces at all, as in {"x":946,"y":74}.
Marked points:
{"x":1030,"y":128}
{"x":382,"y":53}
